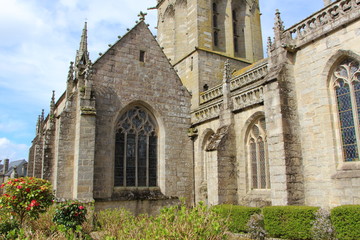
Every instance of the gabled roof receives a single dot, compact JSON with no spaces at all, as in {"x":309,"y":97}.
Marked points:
{"x":18,"y":164}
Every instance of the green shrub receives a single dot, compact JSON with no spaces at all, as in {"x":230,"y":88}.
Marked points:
{"x":236,"y":217}
{"x":290,"y":222}
{"x":177,"y":222}
{"x":70,"y":214}
{"x":26,"y":197}
{"x":346,"y":220}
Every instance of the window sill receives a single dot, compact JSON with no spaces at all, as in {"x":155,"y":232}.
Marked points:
{"x":138,"y":193}
{"x":347,"y":170}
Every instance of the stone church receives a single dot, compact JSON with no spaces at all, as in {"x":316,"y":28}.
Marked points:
{"x":199,"y":113}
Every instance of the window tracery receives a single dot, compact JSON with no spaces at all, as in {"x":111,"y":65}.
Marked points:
{"x":347,"y":89}
{"x":136,"y":149}
{"x":257,"y":154}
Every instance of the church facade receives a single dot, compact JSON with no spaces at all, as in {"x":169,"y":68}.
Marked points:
{"x":200,"y":114}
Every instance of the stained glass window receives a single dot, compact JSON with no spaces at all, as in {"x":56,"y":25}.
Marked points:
{"x":347,"y":89}
{"x":136,"y":150}
{"x":259,"y":167}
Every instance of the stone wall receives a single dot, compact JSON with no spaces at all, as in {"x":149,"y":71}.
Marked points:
{"x":319,"y":125}
{"x":122,"y":81}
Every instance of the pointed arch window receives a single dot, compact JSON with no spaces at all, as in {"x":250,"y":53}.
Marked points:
{"x":215,"y":15}
{"x":347,"y":88}
{"x":136,"y":150}
{"x":235,"y":31}
{"x":257,"y":154}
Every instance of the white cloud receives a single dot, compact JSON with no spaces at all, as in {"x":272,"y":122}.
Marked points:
{"x":12,"y":150}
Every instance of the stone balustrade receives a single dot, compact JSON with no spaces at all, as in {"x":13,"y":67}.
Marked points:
{"x":248,"y":98}
{"x":240,"y":100}
{"x":249,"y":77}
{"x":339,"y":13}
{"x":236,"y":83}
{"x":211,"y":94}
{"x":206,"y":113}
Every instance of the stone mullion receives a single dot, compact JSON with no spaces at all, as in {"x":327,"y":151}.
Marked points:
{"x":136,"y":159}
{"x":147,"y":161}
{"x":267,"y":172}
{"x":125,"y":158}
{"x":258,"y":163}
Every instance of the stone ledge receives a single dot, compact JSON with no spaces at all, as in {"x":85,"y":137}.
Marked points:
{"x":346,"y":174}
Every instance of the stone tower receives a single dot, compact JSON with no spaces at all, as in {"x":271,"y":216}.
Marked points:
{"x":199,"y":35}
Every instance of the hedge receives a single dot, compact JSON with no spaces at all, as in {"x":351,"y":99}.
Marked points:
{"x":346,"y":221}
{"x":289,"y":222}
{"x":236,"y":216}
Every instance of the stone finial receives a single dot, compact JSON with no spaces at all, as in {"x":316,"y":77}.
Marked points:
{"x":269,"y":44}
{"x":82,"y":56}
{"x":141,"y":16}
{"x":279,"y":24}
{"x":71,"y":72}
{"x":227,"y":72}
{"x":278,"y":28}
{"x":327,"y":2}
{"x":42,"y":115}
{"x":53,"y":98}
{"x":52,"y":105}
{"x":89,"y":71}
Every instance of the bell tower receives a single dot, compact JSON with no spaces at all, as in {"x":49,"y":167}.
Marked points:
{"x":198,"y":36}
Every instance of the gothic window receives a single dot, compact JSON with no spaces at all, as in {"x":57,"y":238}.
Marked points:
{"x":215,"y":24}
{"x":136,"y":150}
{"x":347,"y":89}
{"x":235,"y":31}
{"x":257,"y":154}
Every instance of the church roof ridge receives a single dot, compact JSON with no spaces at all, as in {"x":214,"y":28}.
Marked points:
{"x":121,"y":38}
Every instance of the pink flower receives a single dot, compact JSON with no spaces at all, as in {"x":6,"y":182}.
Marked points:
{"x":81,"y":207}
{"x":19,"y":187}
{"x":28,"y":208}
{"x":2,"y":185}
{"x":34,"y":203}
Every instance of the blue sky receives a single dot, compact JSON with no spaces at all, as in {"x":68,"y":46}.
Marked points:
{"x":40,"y":37}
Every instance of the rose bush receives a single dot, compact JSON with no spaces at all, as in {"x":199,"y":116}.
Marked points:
{"x":26,"y":197}
{"x":70,"y":214}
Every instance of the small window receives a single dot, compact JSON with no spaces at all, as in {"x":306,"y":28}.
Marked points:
{"x":215,"y":25}
{"x":142,"y":56}
{"x":216,"y":39}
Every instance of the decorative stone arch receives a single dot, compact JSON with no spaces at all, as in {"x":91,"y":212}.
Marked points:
{"x":335,"y":60}
{"x":160,"y":128}
{"x":249,"y":122}
{"x":202,"y":177}
{"x":335,"y":82}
